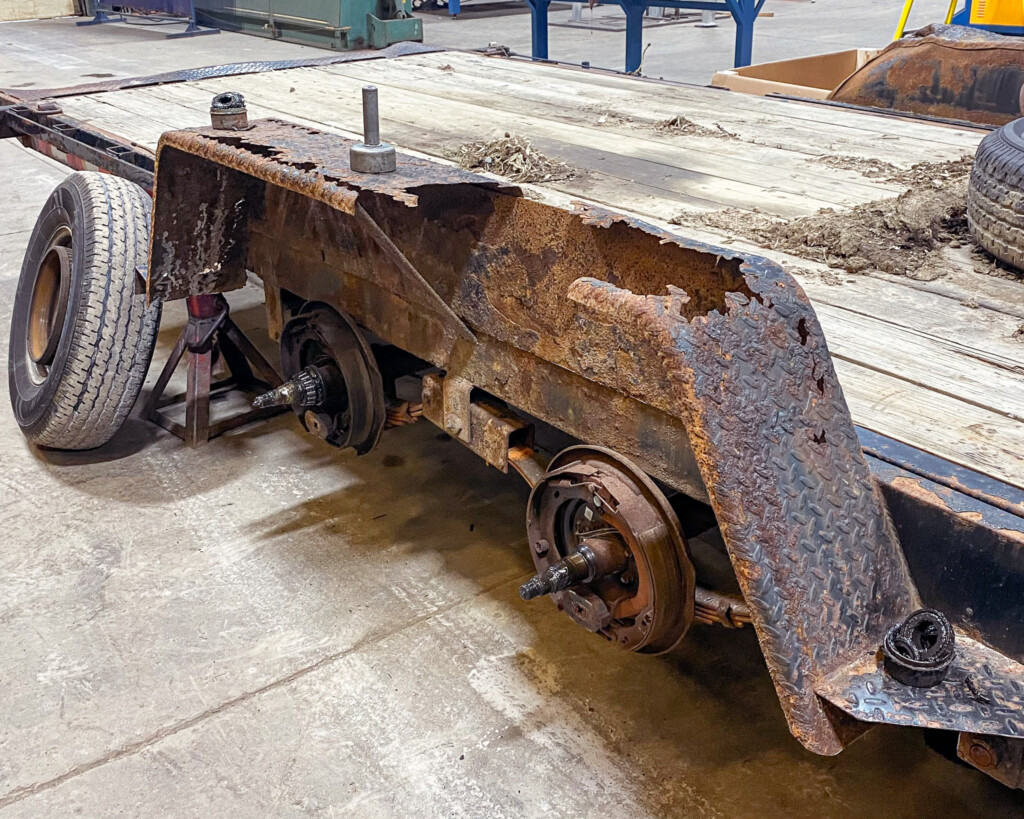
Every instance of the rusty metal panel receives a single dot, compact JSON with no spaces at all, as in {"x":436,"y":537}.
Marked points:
{"x":1000,"y":757}
{"x":705,"y":366}
{"x":952,"y":72}
{"x":983,"y":693}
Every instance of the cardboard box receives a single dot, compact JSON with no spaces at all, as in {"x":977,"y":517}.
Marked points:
{"x":34,"y":9}
{"x":812,"y":77}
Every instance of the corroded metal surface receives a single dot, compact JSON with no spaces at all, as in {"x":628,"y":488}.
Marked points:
{"x":219,"y":207}
{"x":810,"y":541}
{"x":966,"y":556}
{"x":943,"y":71}
{"x":644,"y":601}
{"x":705,"y":367}
{"x":1001,"y":758}
{"x":983,"y":693}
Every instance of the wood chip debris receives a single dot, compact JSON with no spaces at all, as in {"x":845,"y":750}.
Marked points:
{"x":513,"y":157}
{"x":682,"y":125}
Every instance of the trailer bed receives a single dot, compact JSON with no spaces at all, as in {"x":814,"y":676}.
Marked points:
{"x":935,"y":365}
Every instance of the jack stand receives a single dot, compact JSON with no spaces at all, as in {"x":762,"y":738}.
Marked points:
{"x":210,"y":330}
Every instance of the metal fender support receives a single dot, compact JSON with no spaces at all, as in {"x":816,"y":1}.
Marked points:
{"x":707,"y":369}
{"x":809,"y":537}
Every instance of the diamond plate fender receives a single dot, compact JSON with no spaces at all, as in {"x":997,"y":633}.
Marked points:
{"x":983,"y":693}
{"x":805,"y":526}
{"x":724,"y":372}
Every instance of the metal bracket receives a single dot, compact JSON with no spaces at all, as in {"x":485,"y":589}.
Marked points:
{"x":42,"y":125}
{"x":1002,"y":758}
{"x":482,"y":424}
{"x":209,"y":332}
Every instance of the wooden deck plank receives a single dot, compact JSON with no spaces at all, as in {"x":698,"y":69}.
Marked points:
{"x":772,"y":165}
{"x":585,"y":104}
{"x":917,"y":366}
{"x":934,"y":422}
{"x":338,"y":102}
{"x":814,"y":117}
{"x":924,"y":360}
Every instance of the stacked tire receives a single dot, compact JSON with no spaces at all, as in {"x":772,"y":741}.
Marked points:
{"x":995,"y":196}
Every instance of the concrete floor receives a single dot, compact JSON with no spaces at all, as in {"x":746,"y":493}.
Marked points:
{"x":270,"y":627}
{"x":49,"y":54}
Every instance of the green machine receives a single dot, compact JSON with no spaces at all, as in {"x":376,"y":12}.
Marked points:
{"x":339,"y":24}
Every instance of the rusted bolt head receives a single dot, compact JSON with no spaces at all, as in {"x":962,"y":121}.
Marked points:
{"x":981,"y":756}
{"x":228,"y":112}
{"x":541,"y":547}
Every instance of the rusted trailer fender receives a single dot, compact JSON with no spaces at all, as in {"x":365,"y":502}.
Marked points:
{"x":953,"y":72}
{"x":705,"y":367}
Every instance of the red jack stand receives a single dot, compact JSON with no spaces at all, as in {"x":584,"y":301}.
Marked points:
{"x":210,"y":331}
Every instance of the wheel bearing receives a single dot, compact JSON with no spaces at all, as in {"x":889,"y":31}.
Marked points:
{"x":636,"y":585}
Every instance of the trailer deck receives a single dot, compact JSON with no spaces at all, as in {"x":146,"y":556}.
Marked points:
{"x":522,"y":314}
{"x":934,"y":365}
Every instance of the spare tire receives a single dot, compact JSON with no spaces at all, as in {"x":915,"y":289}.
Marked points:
{"x":995,"y":196}
{"x":81,"y":339}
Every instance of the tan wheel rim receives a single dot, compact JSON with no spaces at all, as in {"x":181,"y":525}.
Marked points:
{"x":49,"y":305}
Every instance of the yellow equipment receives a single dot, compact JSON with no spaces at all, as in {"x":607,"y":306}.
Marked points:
{"x":1002,"y":16}
{"x":997,"y":14}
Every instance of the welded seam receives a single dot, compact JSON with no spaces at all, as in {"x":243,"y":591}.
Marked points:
{"x":133,"y":748}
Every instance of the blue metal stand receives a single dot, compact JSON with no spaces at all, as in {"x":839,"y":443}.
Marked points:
{"x":744,"y":13}
{"x":181,"y":11}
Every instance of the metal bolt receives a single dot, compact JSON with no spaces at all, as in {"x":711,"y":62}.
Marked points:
{"x":981,"y":756}
{"x":371,"y":116}
{"x":371,"y":155}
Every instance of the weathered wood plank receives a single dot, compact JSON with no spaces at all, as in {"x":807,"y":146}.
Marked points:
{"x":586,"y":103}
{"x":917,"y":366}
{"x":692,"y":97}
{"x":937,"y":423}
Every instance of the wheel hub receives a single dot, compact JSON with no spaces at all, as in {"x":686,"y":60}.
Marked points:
{"x":48,"y":305}
{"x":334,"y":384}
{"x":609,"y":550}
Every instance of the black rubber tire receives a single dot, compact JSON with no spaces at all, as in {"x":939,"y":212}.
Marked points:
{"x":995,"y":196}
{"x":81,"y":399}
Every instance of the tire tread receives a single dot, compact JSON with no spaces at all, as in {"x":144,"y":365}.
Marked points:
{"x":114,"y":332}
{"x":995,"y":198}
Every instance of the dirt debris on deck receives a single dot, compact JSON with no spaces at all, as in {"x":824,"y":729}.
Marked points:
{"x":923,"y":174}
{"x":682,"y":125}
{"x":907,"y":235}
{"x":513,"y":157}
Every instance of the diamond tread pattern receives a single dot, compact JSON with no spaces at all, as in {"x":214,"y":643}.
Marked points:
{"x":214,"y":71}
{"x":809,"y":536}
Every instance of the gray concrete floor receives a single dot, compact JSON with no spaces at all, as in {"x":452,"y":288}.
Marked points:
{"x":53,"y":53}
{"x":686,"y":53}
{"x":269,"y":627}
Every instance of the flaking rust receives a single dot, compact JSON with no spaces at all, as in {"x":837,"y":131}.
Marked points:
{"x":705,"y":367}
